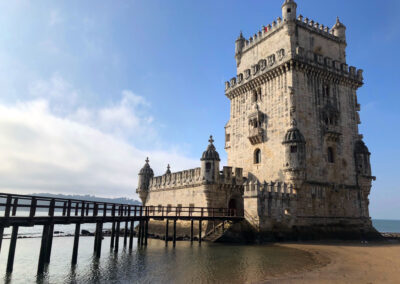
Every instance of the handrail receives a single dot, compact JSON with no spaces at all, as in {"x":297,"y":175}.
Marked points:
{"x":71,"y":208}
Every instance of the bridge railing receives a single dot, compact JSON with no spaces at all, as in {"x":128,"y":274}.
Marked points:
{"x":17,"y":205}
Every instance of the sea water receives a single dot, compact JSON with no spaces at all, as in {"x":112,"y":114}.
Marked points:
{"x":156,"y":263}
{"x":186,"y":263}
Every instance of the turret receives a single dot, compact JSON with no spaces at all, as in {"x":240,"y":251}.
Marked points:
{"x":239,"y":44}
{"x":339,"y":30}
{"x":289,"y":10}
{"x":362,"y":159}
{"x":295,"y":154}
{"x":210,"y":163}
{"x":145,"y":175}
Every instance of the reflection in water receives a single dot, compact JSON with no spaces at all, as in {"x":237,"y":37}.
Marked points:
{"x":186,"y":263}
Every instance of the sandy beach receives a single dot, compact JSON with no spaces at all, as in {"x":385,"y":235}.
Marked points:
{"x":349,"y":263}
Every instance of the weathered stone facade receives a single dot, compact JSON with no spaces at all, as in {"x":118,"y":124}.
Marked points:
{"x":293,"y":129}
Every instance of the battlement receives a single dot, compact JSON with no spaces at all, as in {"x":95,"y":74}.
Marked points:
{"x":172,"y":180}
{"x":255,"y":188}
{"x":262,"y":34}
{"x":193,"y":177}
{"x":315,"y":27}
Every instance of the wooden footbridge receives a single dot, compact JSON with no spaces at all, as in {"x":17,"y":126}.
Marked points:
{"x":27,"y":211}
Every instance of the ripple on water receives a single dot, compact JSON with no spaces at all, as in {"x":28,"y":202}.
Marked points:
{"x":208,"y":263}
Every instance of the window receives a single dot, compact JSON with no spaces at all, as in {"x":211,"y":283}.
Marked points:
{"x":227,"y":137}
{"x":293,"y":149}
{"x":289,"y":10}
{"x":331,"y":158}
{"x":208,"y":166}
{"x":255,"y":96}
{"x":257,"y":156}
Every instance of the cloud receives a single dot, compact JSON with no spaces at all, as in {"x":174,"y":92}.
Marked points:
{"x":43,"y":152}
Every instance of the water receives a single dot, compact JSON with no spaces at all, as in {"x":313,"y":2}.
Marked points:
{"x":208,"y":263}
{"x":387,"y":226}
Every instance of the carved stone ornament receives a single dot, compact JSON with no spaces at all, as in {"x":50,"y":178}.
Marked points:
{"x":280,"y":53}
{"x":247,"y":73}
{"x":263,"y":64}
{"x":271,"y":60}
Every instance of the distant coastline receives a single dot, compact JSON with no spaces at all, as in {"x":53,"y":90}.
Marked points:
{"x":123,"y":200}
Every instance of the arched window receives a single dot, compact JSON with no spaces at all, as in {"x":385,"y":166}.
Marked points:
{"x":257,"y":156}
{"x":331,"y":157}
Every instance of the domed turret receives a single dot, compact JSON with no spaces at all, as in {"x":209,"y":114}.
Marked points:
{"x":210,"y":163}
{"x":145,"y":175}
{"x":289,"y":10}
{"x":295,"y":154}
{"x":362,"y":156}
{"x":239,"y":44}
{"x":339,"y":29}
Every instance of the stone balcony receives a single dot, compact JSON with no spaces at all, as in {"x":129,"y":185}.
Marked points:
{"x":256,"y":135}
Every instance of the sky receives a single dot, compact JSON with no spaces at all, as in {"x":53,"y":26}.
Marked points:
{"x":89,"y":89}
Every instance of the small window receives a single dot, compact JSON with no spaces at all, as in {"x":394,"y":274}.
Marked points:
{"x":293,"y":149}
{"x":255,"y":97}
{"x":257,"y":156}
{"x":227,"y":137}
{"x":331,"y":158}
{"x":208,"y":166}
{"x":289,"y":10}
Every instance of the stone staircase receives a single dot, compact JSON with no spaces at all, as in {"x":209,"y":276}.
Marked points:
{"x":214,"y":234}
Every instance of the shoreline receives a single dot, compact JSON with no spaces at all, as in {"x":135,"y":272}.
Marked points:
{"x":347,"y":262}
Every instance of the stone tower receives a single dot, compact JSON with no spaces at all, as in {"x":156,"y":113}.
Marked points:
{"x":294,"y":121}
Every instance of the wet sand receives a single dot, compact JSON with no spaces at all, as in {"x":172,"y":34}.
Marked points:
{"x":349,"y":263}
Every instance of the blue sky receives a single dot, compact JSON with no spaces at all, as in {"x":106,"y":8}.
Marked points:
{"x":90,"y":88}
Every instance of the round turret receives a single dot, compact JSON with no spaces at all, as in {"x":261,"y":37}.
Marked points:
{"x":339,"y":29}
{"x":210,"y":163}
{"x":145,"y":175}
{"x":295,"y":154}
{"x":362,"y":158}
{"x":289,"y":10}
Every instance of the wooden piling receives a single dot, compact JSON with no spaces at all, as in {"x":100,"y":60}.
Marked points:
{"x":1,"y":235}
{"x":76,"y":244}
{"x":99,"y":238}
{"x":126,"y":233}
{"x":200,"y":231}
{"x":166,"y":232}
{"x":112,"y":235}
{"x":191,"y":231}
{"x":174,"y":238}
{"x":146,"y":231}
{"x":49,"y":243}
{"x":117,"y":231}
{"x":11,"y":251}
{"x":131,"y":234}
{"x":140,"y":233}
{"x":43,"y":249}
